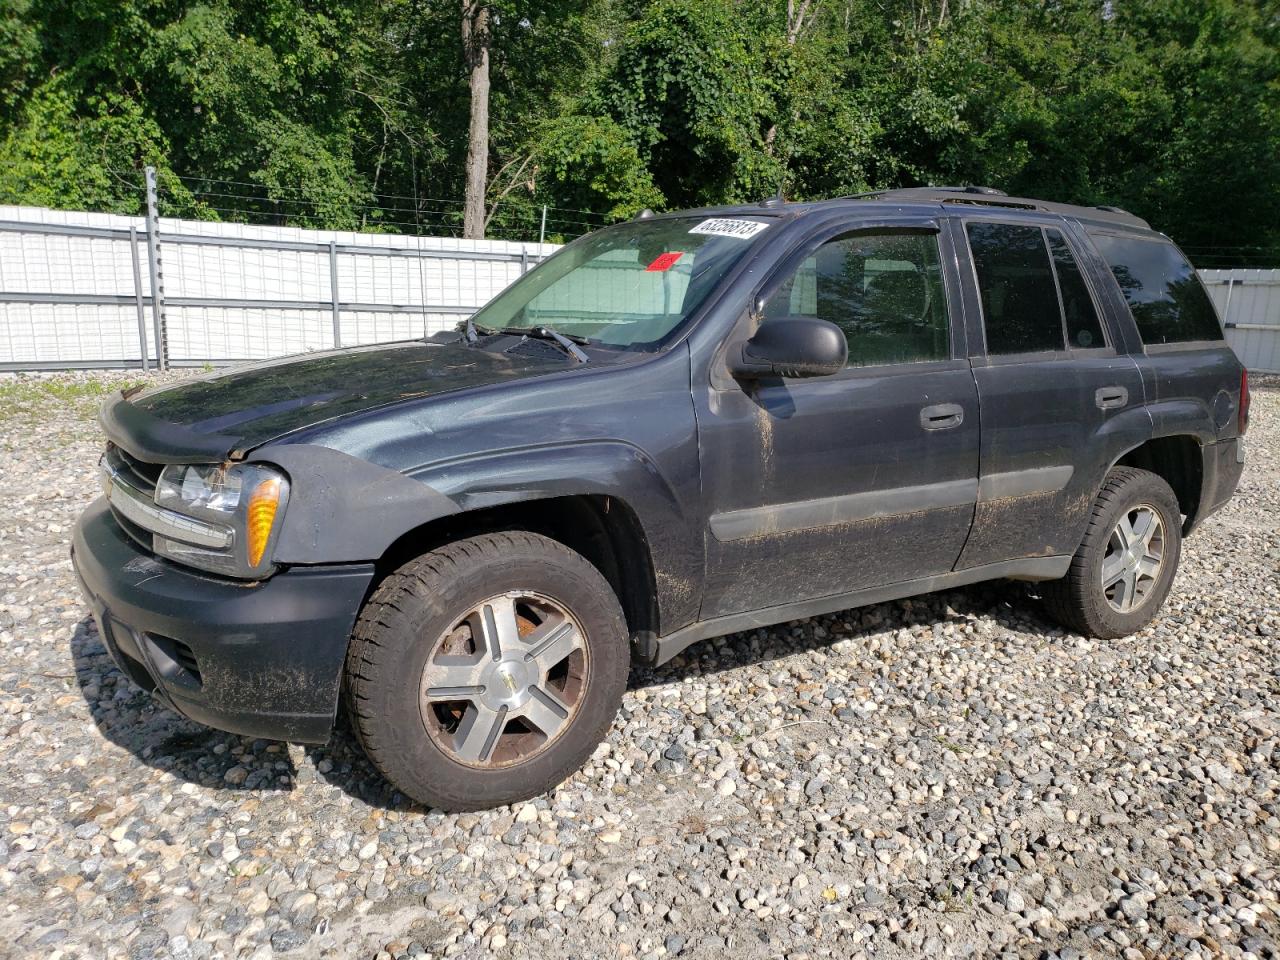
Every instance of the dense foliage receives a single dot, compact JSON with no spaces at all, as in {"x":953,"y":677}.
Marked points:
{"x":353,"y":113}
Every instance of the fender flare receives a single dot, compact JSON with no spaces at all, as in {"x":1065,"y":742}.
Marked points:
{"x":610,"y":468}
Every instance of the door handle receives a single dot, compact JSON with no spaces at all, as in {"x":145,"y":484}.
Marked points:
{"x":1111,"y":398}
{"x":942,"y":416}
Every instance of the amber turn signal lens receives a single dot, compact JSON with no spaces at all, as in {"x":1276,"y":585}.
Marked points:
{"x":262,"y":517}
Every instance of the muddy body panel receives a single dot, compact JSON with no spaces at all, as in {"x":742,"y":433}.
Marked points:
{"x":824,"y":486}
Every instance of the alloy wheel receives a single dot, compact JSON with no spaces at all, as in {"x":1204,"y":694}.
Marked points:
{"x":1134,"y":558}
{"x":505,"y":681}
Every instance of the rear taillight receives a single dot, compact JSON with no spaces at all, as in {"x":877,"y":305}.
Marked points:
{"x":1244,"y":402}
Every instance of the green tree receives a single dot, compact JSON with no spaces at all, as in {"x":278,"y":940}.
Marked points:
{"x":357,"y":113}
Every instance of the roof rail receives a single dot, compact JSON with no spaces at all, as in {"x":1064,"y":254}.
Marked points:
{"x":999,"y":201}
{"x":972,"y":188}
{"x":978,"y":196}
{"x":991,"y":197}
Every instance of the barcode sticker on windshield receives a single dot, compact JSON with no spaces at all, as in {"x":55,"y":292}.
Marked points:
{"x":741,"y":229}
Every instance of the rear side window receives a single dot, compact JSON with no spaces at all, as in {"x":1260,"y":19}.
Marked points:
{"x":1019,"y":297}
{"x":1078,"y":310}
{"x":1167,"y":300}
{"x":883,"y":290}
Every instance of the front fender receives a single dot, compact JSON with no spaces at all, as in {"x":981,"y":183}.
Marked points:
{"x":343,"y":509}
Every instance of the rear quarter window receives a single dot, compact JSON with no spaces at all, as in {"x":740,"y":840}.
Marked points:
{"x":1168,"y":302}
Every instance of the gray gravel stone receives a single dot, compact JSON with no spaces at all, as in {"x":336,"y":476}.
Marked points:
{"x":949,"y":776}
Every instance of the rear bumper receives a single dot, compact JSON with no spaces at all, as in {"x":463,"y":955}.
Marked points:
{"x":261,"y":659}
{"x":1221,"y":466}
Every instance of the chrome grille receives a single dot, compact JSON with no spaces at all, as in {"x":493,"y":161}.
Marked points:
{"x":137,"y":473}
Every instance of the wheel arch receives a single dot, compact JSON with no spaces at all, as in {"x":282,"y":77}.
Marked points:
{"x":1178,"y":459}
{"x":603,"y":528}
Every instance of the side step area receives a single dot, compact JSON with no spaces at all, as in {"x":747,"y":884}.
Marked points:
{"x":1034,"y":568}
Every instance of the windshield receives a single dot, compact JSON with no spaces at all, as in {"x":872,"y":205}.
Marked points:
{"x":628,"y":286}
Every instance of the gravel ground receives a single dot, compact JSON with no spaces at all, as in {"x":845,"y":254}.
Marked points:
{"x":950,"y":776}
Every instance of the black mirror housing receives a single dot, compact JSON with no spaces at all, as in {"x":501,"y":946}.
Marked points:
{"x":791,"y":347}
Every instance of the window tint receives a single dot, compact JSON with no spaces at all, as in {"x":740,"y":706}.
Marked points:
{"x":1083,"y":328}
{"x":1019,"y":298}
{"x":884,"y":291}
{"x":1162,"y":289}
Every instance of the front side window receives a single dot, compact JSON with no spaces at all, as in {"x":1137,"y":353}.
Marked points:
{"x":883,"y":290}
{"x":1015,"y":279}
{"x":1168,"y":302}
{"x":629,"y":286}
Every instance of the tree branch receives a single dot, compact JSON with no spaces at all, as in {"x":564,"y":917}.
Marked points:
{"x":517,"y":180}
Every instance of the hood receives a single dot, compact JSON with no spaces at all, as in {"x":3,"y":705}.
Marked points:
{"x":209,"y":418}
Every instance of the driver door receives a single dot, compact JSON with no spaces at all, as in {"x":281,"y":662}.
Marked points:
{"x":826,"y":485}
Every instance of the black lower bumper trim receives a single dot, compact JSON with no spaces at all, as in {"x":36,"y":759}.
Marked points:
{"x":262,"y":659}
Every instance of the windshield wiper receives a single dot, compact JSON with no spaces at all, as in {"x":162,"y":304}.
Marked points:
{"x":567,"y":341}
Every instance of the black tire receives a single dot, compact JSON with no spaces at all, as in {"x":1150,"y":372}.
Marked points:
{"x":404,"y":623}
{"x":1078,"y":601}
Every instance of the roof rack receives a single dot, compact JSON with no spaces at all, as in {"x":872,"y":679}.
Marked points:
{"x":991,"y":197}
{"x":995,"y":202}
{"x":978,"y":196}
{"x":972,"y":188}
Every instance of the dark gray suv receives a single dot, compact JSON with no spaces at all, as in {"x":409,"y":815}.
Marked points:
{"x":678,"y":427}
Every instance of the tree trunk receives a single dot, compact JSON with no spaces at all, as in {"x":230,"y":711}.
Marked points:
{"x":475,"y":50}
{"x":795,"y":26}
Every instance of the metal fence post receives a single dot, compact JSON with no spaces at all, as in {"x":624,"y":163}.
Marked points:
{"x":1226,"y":309}
{"x":542,"y":231}
{"x":333,"y":292}
{"x":156,"y":274}
{"x":137,"y":296}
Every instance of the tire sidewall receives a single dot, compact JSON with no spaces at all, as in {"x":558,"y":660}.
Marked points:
{"x":421,"y":766}
{"x":1143,"y":489}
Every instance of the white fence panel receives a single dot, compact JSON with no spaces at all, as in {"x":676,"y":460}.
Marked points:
{"x":1248,"y":302}
{"x":68,"y":297}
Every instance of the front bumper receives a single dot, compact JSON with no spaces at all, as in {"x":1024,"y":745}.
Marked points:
{"x":262,"y":659}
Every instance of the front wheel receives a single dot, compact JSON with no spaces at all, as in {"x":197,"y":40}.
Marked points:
{"x":1125,"y":566}
{"x":487,"y":671}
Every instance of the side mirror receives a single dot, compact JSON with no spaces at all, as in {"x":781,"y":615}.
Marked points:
{"x":791,"y":347}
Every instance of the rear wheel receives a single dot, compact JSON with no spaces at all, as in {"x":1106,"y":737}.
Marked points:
{"x":1125,"y":566}
{"x":485,"y":672}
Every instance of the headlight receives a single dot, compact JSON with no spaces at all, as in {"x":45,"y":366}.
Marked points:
{"x":244,"y":500}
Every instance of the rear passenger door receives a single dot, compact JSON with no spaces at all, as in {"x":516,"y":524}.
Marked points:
{"x":1059,"y":401}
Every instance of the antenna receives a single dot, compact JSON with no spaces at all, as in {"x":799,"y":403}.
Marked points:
{"x":776,"y":200}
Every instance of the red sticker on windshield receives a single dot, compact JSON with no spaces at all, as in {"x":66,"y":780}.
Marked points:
{"x":664,"y":262}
